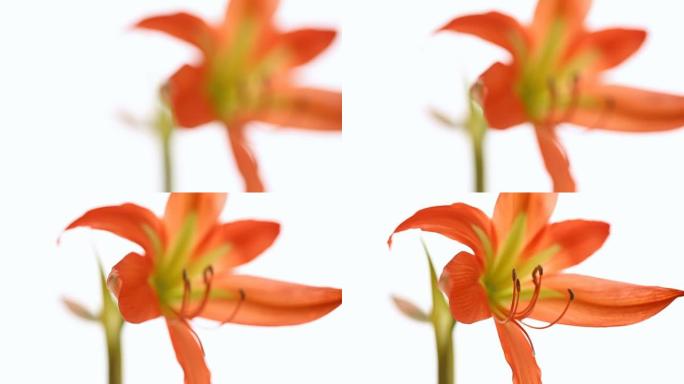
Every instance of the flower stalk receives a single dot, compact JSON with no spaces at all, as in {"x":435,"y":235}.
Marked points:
{"x":476,"y":125}
{"x":111,"y":322}
{"x":442,"y":323}
{"x":164,"y":125}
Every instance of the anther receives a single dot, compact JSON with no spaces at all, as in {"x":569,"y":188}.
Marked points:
{"x":208,"y":276}
{"x":242,"y":298}
{"x":607,"y":109}
{"x":571,"y":298}
{"x":537,"y":274}
{"x":187,"y":290}
{"x":514,"y":300}
{"x":574,"y":98}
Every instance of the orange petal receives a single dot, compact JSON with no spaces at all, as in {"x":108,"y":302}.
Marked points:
{"x":456,"y":222}
{"x":247,"y":239}
{"x":537,"y":208}
{"x":190,"y":97}
{"x":494,"y":27}
{"x":305,"y":108}
{"x":303,"y":45}
{"x":578,"y":239}
{"x":206,"y":206}
{"x":259,"y":12}
{"x":129,"y":221}
{"x":269,"y":302}
{"x":189,"y":352}
{"x":555,"y":160}
{"x":460,"y":280}
{"x":571,"y":13}
{"x":244,"y":159}
{"x":607,"y":48}
{"x":519,"y":353}
{"x":502,"y":105}
{"x":129,"y":281}
{"x":601,"y":303}
{"x":617,"y":108}
{"x":184,"y":26}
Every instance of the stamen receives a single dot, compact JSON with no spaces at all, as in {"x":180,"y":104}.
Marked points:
{"x":574,"y":98}
{"x":243,"y":296}
{"x":606,"y":111}
{"x":514,"y":300}
{"x":527,"y":336}
{"x":553,"y":102}
{"x":208,"y":277}
{"x":187,"y":290}
{"x":537,"y":274}
{"x":571,"y":298}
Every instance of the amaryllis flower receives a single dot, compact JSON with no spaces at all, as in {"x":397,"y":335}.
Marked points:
{"x":554,"y":77}
{"x":515,"y":271}
{"x":186,"y":270}
{"x":246,"y":74}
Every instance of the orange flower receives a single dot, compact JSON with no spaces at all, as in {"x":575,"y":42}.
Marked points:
{"x":186,"y":271}
{"x":555,"y":77}
{"x":245,"y":74}
{"x":515,"y":271}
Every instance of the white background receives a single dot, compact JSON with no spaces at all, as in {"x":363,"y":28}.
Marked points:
{"x":334,"y":241}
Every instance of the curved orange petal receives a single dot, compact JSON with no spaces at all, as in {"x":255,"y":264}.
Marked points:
{"x":617,"y":108}
{"x":190,"y":97}
{"x":600,"y":302}
{"x":246,"y":240}
{"x":259,"y":13}
{"x":305,"y":108}
{"x":129,"y":281}
{"x":607,"y":48}
{"x":577,"y":239}
{"x":571,"y":13}
{"x":206,"y":206}
{"x":269,"y":302}
{"x":502,"y":106}
{"x":494,"y":27}
{"x":303,"y":45}
{"x":460,"y":280}
{"x":519,"y":353}
{"x":555,"y":160}
{"x":456,"y":222}
{"x":189,"y":352}
{"x":537,"y":208}
{"x":244,"y":159}
{"x":183,"y":26}
{"x":129,"y":221}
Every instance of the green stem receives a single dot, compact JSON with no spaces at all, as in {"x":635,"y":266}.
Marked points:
{"x":166,"y":141}
{"x":443,"y":324}
{"x":114,"y":355}
{"x":445,"y":353}
{"x":478,"y":157}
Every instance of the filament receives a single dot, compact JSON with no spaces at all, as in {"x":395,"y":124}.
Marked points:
{"x":571,"y":298}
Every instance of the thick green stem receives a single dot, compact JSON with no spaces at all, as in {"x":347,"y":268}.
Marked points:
{"x":478,"y":158}
{"x":444,"y":325}
{"x":114,"y":356}
{"x":112,"y":323}
{"x":445,"y":353}
{"x":166,"y":142}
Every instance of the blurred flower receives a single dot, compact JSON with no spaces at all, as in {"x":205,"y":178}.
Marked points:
{"x":555,"y":77}
{"x":515,"y":271}
{"x":186,"y":271}
{"x":246,"y":74}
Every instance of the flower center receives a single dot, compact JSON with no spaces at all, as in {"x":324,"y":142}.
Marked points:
{"x":514,"y":314}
